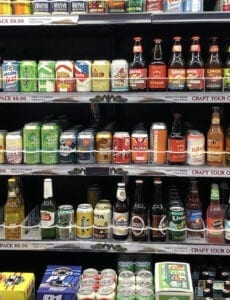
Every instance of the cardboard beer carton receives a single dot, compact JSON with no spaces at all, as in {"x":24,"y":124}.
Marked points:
{"x":173,"y":280}
{"x":17,"y":286}
{"x":59,"y":283}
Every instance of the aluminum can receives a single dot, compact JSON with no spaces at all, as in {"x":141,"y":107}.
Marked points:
{"x":109,"y":273}
{"x":154,"y":6}
{"x":59,"y":7}
{"x":116,"y":6}
{"x":28,"y":76}
{"x":46,"y":76}
{"x":105,"y":293}
{"x":3,"y":134}
{"x":126,"y":276}
{"x":85,"y":144}
{"x":83,"y":75}
{"x":32,"y":142}
{"x":41,"y":7}
{"x":195,"y":148}
{"x":90,"y":273}
{"x":102,"y":221}
{"x":10,"y":75}
{"x":86,"y":293}
{"x":65,"y":222}
{"x":176,"y":223}
{"x":89,"y":283}
{"x":5,"y":8}
{"x":14,"y":147}
{"x":142,"y":265}
{"x":123,"y":285}
{"x":103,"y":147}
{"x":119,"y":75}
{"x":68,"y":147}
{"x":145,"y":294}
{"x":144,"y":275}
{"x":84,"y":221}
{"x":121,"y":148}
{"x":173,"y":5}
{"x":125,"y":265}
{"x":158,"y":143}
{"x":78,"y":7}
{"x":125,"y":294}
{"x":65,"y":81}
{"x":22,"y":7}
{"x":139,"y":147}
{"x":193,"y":6}
{"x":142,"y":284}
{"x":101,"y":75}
{"x":107,"y":282}
{"x":97,"y":6}
{"x":49,"y":143}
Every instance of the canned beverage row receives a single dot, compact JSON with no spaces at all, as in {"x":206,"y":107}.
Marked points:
{"x":72,"y":7}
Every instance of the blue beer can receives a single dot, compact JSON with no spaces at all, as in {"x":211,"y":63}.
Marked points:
{"x":193,"y":6}
{"x":10,"y":75}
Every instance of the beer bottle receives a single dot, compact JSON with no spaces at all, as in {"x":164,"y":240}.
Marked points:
{"x":121,"y":213}
{"x":158,"y":214}
{"x":193,"y":209}
{"x":176,"y":142}
{"x":12,"y":213}
{"x":157,"y":68}
{"x":195,"y":67}
{"x":215,"y":218}
{"x":215,"y":140}
{"x":176,"y":67}
{"x":48,"y":211}
{"x":226,"y":71}
{"x":139,"y":215}
{"x":213,"y":67}
{"x":138,"y":68}
{"x":227,"y":147}
{"x":227,"y":223}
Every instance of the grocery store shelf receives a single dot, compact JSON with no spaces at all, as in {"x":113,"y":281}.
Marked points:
{"x":115,"y":170}
{"x":115,"y":97}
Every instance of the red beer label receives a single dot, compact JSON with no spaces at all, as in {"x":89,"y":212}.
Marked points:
{"x":138,"y":79}
{"x":176,"y":150}
{"x":157,"y":76}
{"x":195,"y":79}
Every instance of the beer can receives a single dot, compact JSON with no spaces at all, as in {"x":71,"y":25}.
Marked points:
{"x":14,"y":147}
{"x":125,"y":276}
{"x":68,"y":147}
{"x":173,"y":5}
{"x":101,"y":75}
{"x":83,"y":75}
{"x":195,"y":148}
{"x":193,"y":6}
{"x":78,"y":7}
{"x":102,"y":221}
{"x":125,"y":265}
{"x":65,"y":222}
{"x":41,"y":7}
{"x":126,"y":285}
{"x":107,"y":282}
{"x":85,"y":144}
{"x":144,"y":275}
{"x":28,"y":76}
{"x":32,"y":142}
{"x":86,"y":293}
{"x":84,"y":221}
{"x":90,"y":273}
{"x":142,"y":284}
{"x":121,"y":148}
{"x":2,"y":146}
{"x":145,"y":294}
{"x":65,"y":81}
{"x":109,"y":273}
{"x":59,"y":7}
{"x":22,"y":7}
{"x":105,"y":293}
{"x":5,"y":7}
{"x":49,"y":143}
{"x":139,"y":147}
{"x":116,"y":6}
{"x":89,"y":283}
{"x":97,"y":6}
{"x":10,"y":75}
{"x":46,"y":76}
{"x":103,"y":147}
{"x":125,"y":293}
{"x":119,"y":75}
{"x":158,"y":143}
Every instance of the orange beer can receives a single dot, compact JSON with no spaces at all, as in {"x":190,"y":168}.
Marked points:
{"x":22,"y":7}
{"x":158,"y":143}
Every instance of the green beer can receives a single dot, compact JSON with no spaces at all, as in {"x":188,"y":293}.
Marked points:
{"x":28,"y":76}
{"x":125,"y":294}
{"x":50,"y":133}
{"x":46,"y":76}
{"x":32,"y":142}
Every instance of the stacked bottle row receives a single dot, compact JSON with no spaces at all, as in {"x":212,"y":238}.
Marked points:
{"x":125,"y":218}
{"x":51,"y":143}
{"x":160,"y":74}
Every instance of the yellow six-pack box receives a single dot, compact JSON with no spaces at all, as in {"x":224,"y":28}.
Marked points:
{"x":17,"y":286}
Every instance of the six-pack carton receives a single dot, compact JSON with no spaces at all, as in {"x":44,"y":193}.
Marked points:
{"x":59,"y":283}
{"x":17,"y":286}
{"x":173,"y":281}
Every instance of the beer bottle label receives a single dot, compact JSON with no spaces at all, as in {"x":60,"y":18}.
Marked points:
{"x":195,"y":79}
{"x":215,"y":150}
{"x":176,"y":79}
{"x":120,"y":223}
{"x":138,"y":226}
{"x":47,"y":218}
{"x":158,"y":226}
{"x":157,"y":77}
{"x":214,"y":227}
{"x":138,"y":79}
{"x":176,"y":148}
{"x":214,"y":78}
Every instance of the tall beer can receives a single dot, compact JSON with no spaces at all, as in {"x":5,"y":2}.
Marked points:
{"x":14,"y":147}
{"x":193,"y":5}
{"x":102,"y":221}
{"x":139,"y":146}
{"x":121,"y":148}
{"x":101,"y":76}
{"x":46,"y":76}
{"x":64,"y":76}
{"x":83,"y":75}
{"x":158,"y":143}
{"x":49,"y":143}
{"x":103,"y":147}
{"x":28,"y":76}
{"x":2,"y":146}
{"x":84,"y":221}
{"x":32,"y":143}
{"x":10,"y":75}
{"x":68,"y":146}
{"x":85,"y":144}
{"x":41,"y":7}
{"x":119,"y":75}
